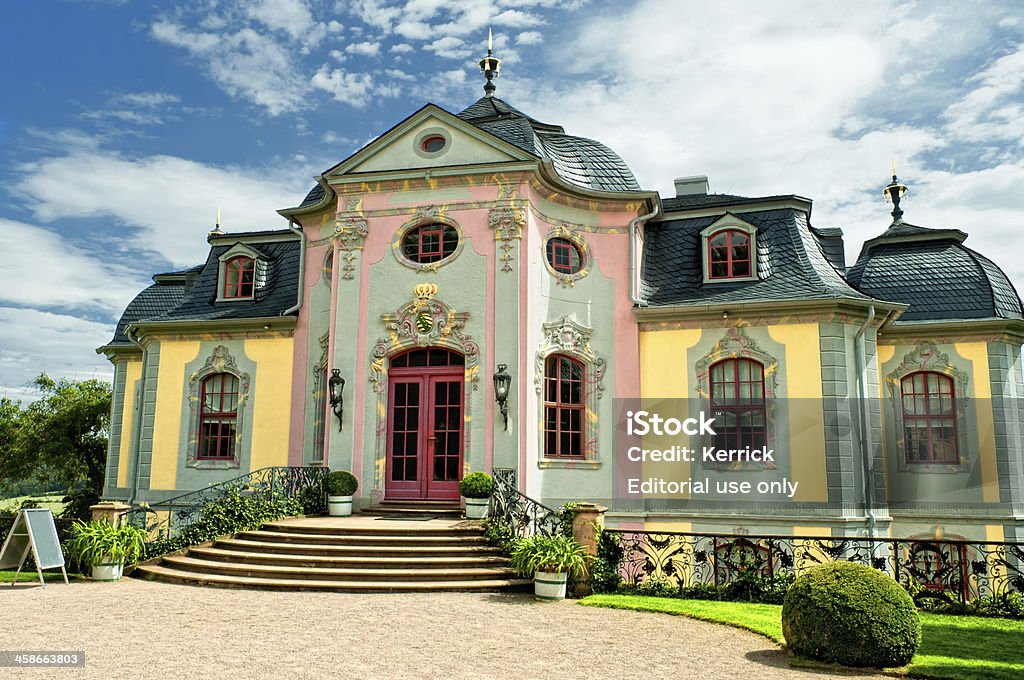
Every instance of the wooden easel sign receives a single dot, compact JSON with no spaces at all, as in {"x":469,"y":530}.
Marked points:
{"x":33,"y":530}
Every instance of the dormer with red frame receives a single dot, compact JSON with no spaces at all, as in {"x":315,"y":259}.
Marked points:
{"x":729,"y":250}
{"x":241,"y":272}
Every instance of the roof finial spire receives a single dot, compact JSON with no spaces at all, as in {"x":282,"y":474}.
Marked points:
{"x":894,"y":192}
{"x":490,"y":66}
{"x":216,"y":229}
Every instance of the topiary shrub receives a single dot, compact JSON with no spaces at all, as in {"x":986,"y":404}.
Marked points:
{"x":850,"y":614}
{"x":476,"y":485}
{"x":341,"y":483}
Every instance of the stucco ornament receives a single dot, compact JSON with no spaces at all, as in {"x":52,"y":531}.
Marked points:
{"x":507,"y":224}
{"x":927,"y":357}
{"x":425,"y":321}
{"x":736,"y":344}
{"x":565,"y":336}
{"x":221,"y":361}
{"x":569,"y":232}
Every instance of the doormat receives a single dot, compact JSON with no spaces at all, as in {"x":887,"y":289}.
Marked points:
{"x":407,"y":518}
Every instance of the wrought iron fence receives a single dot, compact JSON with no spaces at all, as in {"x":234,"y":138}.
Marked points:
{"x":948,"y":569}
{"x":167,"y":518}
{"x":524,"y":515}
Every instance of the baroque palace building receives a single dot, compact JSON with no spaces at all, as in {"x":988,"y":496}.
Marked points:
{"x":458,"y":251}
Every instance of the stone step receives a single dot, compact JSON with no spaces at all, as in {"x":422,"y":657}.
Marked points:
{"x":377,"y":528}
{"x":187,"y":563}
{"x":400,"y":510}
{"x":366,"y":539}
{"x":164,"y":573}
{"x":459,"y":549}
{"x":360,"y":562}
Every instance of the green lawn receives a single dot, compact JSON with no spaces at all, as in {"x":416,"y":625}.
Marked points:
{"x":955,"y":647}
{"x":53,"y":502}
{"x":51,"y":576}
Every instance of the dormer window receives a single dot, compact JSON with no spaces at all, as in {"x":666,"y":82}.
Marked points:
{"x":242,"y":273}
{"x":729,"y":255}
{"x":729,"y":250}
{"x":239,"y":277}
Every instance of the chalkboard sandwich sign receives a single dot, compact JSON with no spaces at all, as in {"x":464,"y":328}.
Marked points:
{"x":34,"y":530}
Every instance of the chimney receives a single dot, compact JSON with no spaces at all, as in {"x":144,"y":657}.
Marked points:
{"x":692,"y":186}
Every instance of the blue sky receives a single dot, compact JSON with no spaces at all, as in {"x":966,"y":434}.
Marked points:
{"x":125,"y":125}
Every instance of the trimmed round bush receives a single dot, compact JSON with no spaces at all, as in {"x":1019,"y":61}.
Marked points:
{"x":341,"y":483}
{"x":850,"y":614}
{"x":476,"y":485}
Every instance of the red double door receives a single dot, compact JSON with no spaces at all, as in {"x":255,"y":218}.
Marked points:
{"x":425,"y":421}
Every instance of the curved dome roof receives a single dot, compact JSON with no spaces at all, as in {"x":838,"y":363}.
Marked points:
{"x":578,"y":160}
{"x":933,"y":272}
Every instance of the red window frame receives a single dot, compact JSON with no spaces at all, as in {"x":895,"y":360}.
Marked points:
{"x":564,"y":407}
{"x":726,"y":255}
{"x":239,"y":278}
{"x":430,"y":243}
{"x":431,"y":141}
{"x":928,"y":401}
{"x":218,"y":417}
{"x":738,"y":402}
{"x":564,"y":256}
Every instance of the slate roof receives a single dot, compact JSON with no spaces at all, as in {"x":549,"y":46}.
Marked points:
{"x":578,"y":160}
{"x":190,"y":294}
{"x":313,"y":197}
{"x":933,"y":272}
{"x":275,"y":296}
{"x":156,"y":300}
{"x":791,"y":264}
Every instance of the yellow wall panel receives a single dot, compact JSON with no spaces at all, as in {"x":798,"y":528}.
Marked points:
{"x":132,"y":373}
{"x":271,"y":395}
{"x":977,"y":354}
{"x":806,"y":425}
{"x":664,"y":373}
{"x":174,"y":354}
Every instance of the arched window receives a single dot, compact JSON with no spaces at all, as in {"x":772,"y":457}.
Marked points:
{"x":218,"y":418}
{"x":563,"y":407}
{"x":729,"y":255}
{"x":929,"y":418}
{"x":564,"y":255}
{"x":239,"y":277}
{"x":430,"y":243}
{"x":737,"y":401}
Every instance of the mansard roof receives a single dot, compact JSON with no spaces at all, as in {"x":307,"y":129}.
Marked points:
{"x":792,"y":262}
{"x":578,"y":160}
{"x":935,"y":274}
{"x":164,"y":295}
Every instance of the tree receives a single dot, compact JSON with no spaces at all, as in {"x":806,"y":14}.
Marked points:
{"x":62,"y":437}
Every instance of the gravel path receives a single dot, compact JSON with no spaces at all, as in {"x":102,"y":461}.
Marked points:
{"x":139,"y":629}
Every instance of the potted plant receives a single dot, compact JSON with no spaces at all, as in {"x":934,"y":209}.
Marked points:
{"x":341,"y":484}
{"x":549,"y":560}
{"x":106,"y":549}
{"x":476,"y":490}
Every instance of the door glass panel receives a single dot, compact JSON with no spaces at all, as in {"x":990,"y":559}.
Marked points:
{"x":405,"y":432}
{"x":447,"y":429}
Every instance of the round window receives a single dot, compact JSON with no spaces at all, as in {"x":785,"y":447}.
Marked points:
{"x":430,"y":243}
{"x":433,"y":143}
{"x":564,"y":256}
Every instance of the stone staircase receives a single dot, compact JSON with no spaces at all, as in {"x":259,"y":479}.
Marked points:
{"x":389,"y":548}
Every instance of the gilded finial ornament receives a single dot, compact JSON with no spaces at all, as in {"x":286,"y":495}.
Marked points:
{"x":490,"y":66}
{"x":894,"y":192}
{"x":216,"y":231}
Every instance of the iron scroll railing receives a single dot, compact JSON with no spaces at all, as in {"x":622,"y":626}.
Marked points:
{"x":524,"y":515}
{"x":167,"y":518}
{"x":947,"y":569}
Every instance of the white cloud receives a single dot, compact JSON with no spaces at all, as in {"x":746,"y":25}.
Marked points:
{"x":35,"y":342}
{"x":401,"y":48}
{"x":449,"y":47}
{"x":146,"y":99}
{"x":49,"y":272}
{"x":245,"y":63}
{"x":529,"y":38}
{"x":167,"y":204}
{"x":993,"y":110}
{"x":355,"y":89}
{"x":290,"y":16}
{"x":366,"y":49}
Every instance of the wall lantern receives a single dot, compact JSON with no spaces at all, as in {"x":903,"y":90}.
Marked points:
{"x":502,"y":381}
{"x":337,"y":393}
